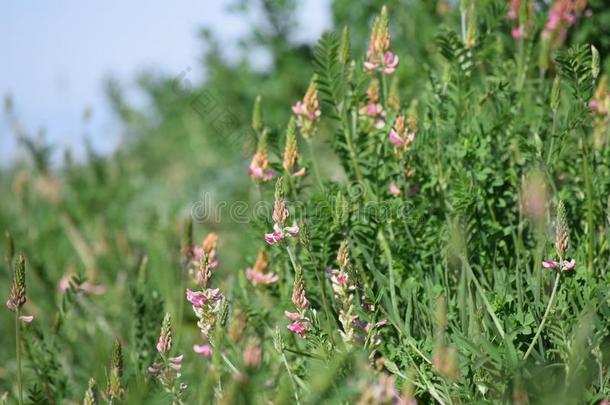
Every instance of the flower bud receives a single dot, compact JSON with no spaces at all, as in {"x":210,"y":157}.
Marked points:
{"x":17,"y":297}
{"x":299,"y":300}
{"x":164,"y":344}
{"x":91,"y":394}
{"x":344,"y":48}
{"x":291,"y":154}
{"x":257,"y":115}
{"x":562,"y":232}
{"x":594,"y":62}
{"x":555,"y":94}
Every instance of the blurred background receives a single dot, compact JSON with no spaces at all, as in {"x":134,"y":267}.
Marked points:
{"x":120,"y":117}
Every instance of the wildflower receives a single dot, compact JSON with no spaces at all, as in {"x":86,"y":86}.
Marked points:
{"x":206,"y":305}
{"x":307,"y":112}
{"x":562,"y":242}
{"x":253,"y":353}
{"x":300,"y":324}
{"x":562,"y":15}
{"x":291,"y":154}
{"x":280,"y":215}
{"x":402,"y":135}
{"x":373,"y":111}
{"x":382,"y":392}
{"x":258,"y":274}
{"x":205,"y":350}
{"x":342,"y":290}
{"x":394,"y":190}
{"x":17,"y":297}
{"x":167,"y":370}
{"x":86,"y":287}
{"x":378,"y":55}
{"x":259,"y":169}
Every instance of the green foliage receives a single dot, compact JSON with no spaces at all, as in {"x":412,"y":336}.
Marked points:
{"x":434,"y":247}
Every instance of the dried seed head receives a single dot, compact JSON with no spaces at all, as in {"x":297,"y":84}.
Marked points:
{"x":257,"y":115}
{"x":562,"y":232}
{"x":164,"y":344}
{"x":262,"y":262}
{"x":373,"y":91}
{"x":299,"y":300}
{"x":91,"y":394}
{"x":291,"y":155}
{"x":343,"y":256}
{"x":17,"y":297}
{"x":209,"y":244}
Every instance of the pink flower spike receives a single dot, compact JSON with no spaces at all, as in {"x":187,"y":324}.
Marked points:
{"x":569,"y":265}
{"x":395,"y":139}
{"x":298,"y":327}
{"x":293,"y":316}
{"x":292,"y":230}
{"x":197,"y":298}
{"x":204,"y":350}
{"x":27,"y":318}
{"x":394,"y":190}
{"x":549,"y":264}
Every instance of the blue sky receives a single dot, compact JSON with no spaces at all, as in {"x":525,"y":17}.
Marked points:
{"x":55,"y":56}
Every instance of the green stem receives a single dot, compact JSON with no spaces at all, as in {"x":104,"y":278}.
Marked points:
{"x":388,"y":253}
{"x":352,"y":152}
{"x":292,"y":258}
{"x":384,"y":91}
{"x":292,"y":381}
{"x":18,"y":354}
{"x":314,"y":164}
{"x":546,"y":313}
{"x":590,"y":197}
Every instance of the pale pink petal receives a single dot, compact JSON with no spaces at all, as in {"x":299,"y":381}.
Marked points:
{"x":204,"y":350}
{"x":395,"y":139}
{"x":292,"y":230}
{"x":27,"y":318}
{"x":569,"y":265}
{"x":549,"y":264}
{"x":293,"y":316}
{"x":394,"y":190}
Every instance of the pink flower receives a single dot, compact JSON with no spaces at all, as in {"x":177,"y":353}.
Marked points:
{"x":395,"y":139}
{"x":260,"y":278}
{"x":27,"y":318}
{"x":568,"y":265}
{"x":292,"y":230}
{"x":298,"y":327}
{"x":517,"y":32}
{"x":204,"y":350}
{"x":293,"y":316}
{"x":394,"y":190}
{"x":298,"y":108}
{"x":593,"y":104}
{"x":197,"y":298}
{"x":272,"y":238}
{"x":390,"y":62}
{"x":549,"y":264}
{"x":176,"y":362}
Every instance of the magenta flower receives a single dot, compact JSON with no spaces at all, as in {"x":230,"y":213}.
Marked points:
{"x":299,"y":327}
{"x":197,"y":298}
{"x":517,"y":32}
{"x":390,"y":63}
{"x":274,"y":237}
{"x":395,"y":139}
{"x":563,"y":265}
